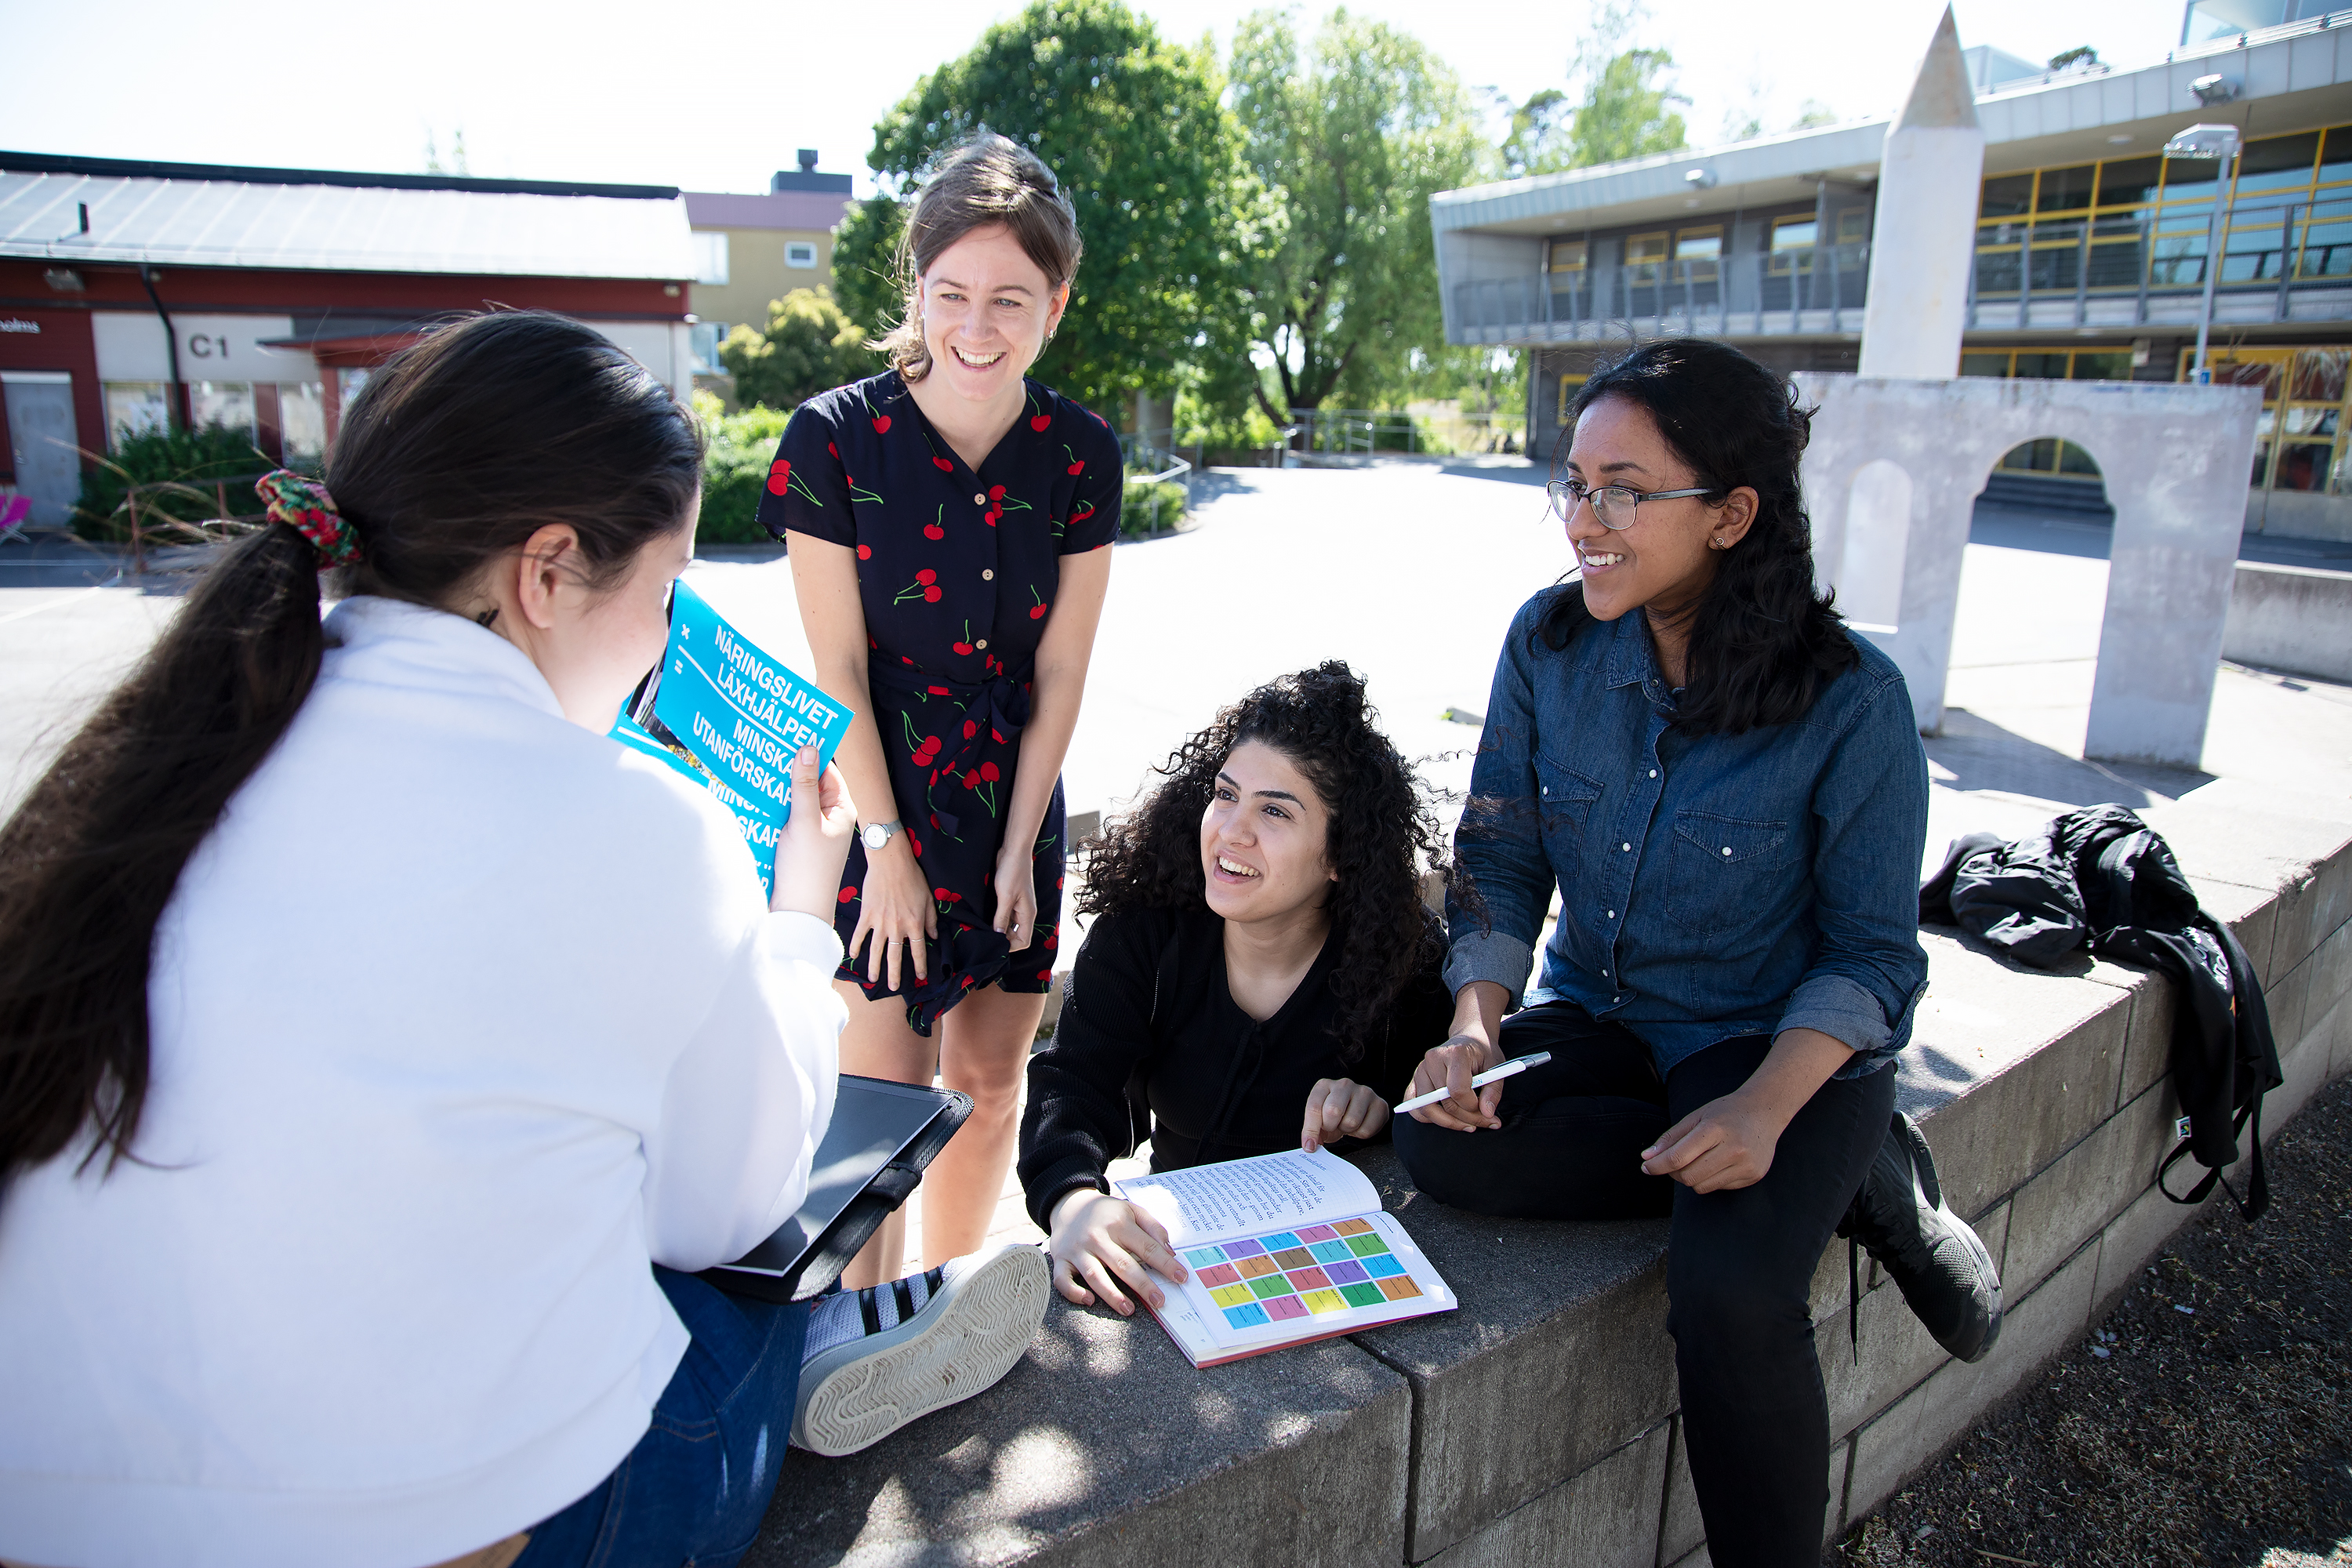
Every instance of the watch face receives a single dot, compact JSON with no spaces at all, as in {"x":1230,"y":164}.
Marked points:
{"x":876,"y":836}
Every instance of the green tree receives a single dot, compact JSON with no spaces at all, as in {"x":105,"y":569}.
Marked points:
{"x":1626,"y":108}
{"x":807,"y":347}
{"x":1131,"y":125}
{"x":1349,"y":144}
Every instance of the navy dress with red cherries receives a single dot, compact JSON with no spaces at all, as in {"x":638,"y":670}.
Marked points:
{"x":958,"y":572}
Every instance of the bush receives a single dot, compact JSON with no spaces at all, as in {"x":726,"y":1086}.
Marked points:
{"x":1150,"y":506}
{"x":197,"y":459}
{"x":807,"y":347}
{"x":735,"y":471}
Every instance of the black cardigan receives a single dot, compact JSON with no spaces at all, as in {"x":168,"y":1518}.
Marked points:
{"x":1148,"y":1002}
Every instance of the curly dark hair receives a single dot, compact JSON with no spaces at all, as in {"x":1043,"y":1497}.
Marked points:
{"x":1381,"y":833}
{"x":1764,"y":642}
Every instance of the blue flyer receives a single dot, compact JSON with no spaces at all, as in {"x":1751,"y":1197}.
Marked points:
{"x":739,"y":716}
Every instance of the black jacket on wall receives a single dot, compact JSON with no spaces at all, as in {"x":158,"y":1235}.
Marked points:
{"x":2100,"y":878}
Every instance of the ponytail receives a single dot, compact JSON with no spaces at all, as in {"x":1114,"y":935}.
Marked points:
{"x":89,"y":859}
{"x":453,"y":455}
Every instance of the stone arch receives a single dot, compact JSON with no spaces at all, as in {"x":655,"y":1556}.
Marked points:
{"x":1876,"y":540}
{"x":2053,"y":472}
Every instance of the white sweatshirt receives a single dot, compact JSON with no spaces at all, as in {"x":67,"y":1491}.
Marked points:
{"x":461,"y":1016}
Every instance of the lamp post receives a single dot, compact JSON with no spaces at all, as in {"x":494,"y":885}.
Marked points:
{"x":2219,"y":143}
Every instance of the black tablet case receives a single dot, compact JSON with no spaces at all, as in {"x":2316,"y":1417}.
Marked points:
{"x":872,"y":1155}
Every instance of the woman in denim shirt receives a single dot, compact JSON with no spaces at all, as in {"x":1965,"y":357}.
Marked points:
{"x":1728,"y":791}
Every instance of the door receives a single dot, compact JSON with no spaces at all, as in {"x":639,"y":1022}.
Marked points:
{"x":41,"y":443}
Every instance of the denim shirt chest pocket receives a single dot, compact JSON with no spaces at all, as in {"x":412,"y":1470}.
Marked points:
{"x":1725,"y":873}
{"x":1564,"y":805}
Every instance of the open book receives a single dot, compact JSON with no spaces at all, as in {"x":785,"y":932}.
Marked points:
{"x":1281,"y":1250}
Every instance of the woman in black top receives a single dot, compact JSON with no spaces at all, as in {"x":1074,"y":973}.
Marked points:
{"x":1262,"y":973}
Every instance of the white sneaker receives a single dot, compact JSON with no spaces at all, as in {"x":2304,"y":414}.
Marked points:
{"x":878,"y":1358}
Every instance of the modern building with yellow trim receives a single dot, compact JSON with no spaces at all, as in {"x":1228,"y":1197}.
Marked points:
{"x":2091,"y":252}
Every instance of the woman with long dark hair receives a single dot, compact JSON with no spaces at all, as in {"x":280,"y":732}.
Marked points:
{"x":382,"y":1046}
{"x":1728,"y":794}
{"x":1260,"y":974}
{"x":948,"y":522}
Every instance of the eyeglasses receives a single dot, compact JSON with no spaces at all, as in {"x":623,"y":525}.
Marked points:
{"x":1612,"y":504}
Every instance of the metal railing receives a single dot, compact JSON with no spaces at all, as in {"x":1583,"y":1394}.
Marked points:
{"x":1812,"y":288}
{"x":2029,"y":276}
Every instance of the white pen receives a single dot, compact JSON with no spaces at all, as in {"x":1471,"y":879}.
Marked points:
{"x":1517,"y":1064}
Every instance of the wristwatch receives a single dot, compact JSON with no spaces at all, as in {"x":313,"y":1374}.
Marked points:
{"x":877,"y":834}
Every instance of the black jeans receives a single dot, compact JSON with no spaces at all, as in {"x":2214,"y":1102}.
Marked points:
{"x":1739,"y":1267}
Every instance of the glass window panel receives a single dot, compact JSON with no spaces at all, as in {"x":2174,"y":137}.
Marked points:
{"x":302,"y":421}
{"x":1995,"y":365}
{"x":2303,"y":465}
{"x":2312,"y":421}
{"x":2102,"y":366}
{"x":1699,"y":244}
{"x":2232,"y":372}
{"x":2327,"y":242}
{"x":2179,"y":260}
{"x":1793,"y":233}
{"x":1853,"y":226}
{"x":2129,"y":181}
{"x":2115,"y":263}
{"x":133,"y":408}
{"x":2261,"y":468}
{"x":2057,"y":264}
{"x":2319,"y":375}
{"x":1568,"y":255}
{"x":1999,"y":270}
{"x":227,"y":403}
{"x":2008,"y":196}
{"x":1644,"y":252}
{"x":2064,"y":190}
{"x":2251,"y":253}
{"x":2041,"y":367}
{"x":800,"y":253}
{"x":2190,"y":180}
{"x":2335,"y":156}
{"x":2278,"y":163}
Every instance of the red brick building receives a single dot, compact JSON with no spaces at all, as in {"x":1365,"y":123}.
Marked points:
{"x":134,"y":294}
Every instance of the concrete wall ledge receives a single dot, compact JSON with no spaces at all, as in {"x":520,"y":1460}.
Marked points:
{"x":2292,"y":618}
{"x":1539,"y":1422}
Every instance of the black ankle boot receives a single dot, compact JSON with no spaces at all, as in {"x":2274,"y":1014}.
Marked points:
{"x":1933,"y":1255}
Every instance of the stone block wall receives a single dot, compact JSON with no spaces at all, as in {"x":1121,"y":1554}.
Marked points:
{"x":1539,"y":1422}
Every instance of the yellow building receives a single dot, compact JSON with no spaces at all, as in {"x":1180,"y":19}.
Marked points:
{"x":752,"y":249}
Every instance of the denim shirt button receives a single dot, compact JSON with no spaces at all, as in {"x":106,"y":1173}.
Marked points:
{"x":1654,"y":773}
{"x":1612,"y":914}
{"x":1629,"y":849}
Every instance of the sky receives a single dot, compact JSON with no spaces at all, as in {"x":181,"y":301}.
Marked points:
{"x":718,"y":95}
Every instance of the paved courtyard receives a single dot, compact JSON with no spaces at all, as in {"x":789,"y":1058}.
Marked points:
{"x":1411,"y":571}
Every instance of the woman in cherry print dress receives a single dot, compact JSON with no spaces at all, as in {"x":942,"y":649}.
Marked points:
{"x":947,"y":522}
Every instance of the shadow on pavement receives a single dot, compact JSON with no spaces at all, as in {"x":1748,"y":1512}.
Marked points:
{"x":2011,"y":529}
{"x":1982,"y":755}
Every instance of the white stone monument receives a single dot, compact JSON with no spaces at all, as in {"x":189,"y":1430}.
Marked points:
{"x":1902,"y":449}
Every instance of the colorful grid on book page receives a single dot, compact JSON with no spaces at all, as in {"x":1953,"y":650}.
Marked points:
{"x":1303,"y":1273}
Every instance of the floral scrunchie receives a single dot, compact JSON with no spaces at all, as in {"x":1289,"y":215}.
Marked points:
{"x":303,"y":504}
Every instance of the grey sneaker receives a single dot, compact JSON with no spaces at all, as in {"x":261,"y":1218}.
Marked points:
{"x":878,"y":1358}
{"x":1933,"y":1255}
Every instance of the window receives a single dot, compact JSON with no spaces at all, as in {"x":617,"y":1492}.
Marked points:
{"x":1699,"y":249}
{"x":1569,"y":254}
{"x":2129,"y":181}
{"x":1567,"y":385}
{"x":302,"y":420}
{"x":710,"y":256}
{"x":2278,"y":163}
{"x":2011,"y":195}
{"x":704,"y":338}
{"x":133,"y":408}
{"x":227,"y":403}
{"x":1643,"y":253}
{"x":1792,"y":244}
{"x":2064,"y":190}
{"x":800,"y":253}
{"x":1854,"y":232}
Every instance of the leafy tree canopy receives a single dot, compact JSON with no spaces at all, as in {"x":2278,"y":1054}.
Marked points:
{"x":807,"y":347}
{"x":1348,"y":143}
{"x":1133,"y":127}
{"x":1626,"y":107}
